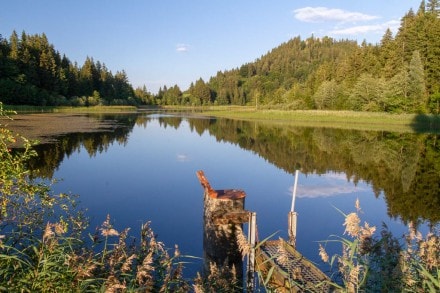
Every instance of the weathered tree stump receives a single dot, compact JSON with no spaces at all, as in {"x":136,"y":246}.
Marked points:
{"x":223,"y":217}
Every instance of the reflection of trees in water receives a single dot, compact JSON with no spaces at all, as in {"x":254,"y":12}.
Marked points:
{"x":406,"y":167}
{"x":51,"y":155}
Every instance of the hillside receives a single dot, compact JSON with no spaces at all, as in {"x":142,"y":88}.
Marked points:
{"x":400,"y":74}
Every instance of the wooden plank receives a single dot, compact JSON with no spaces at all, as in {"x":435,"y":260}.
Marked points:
{"x":296,"y":275}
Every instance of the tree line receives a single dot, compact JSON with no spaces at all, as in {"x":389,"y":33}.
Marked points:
{"x":32,"y":72}
{"x":400,"y":74}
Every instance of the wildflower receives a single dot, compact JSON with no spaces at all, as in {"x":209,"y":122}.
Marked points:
{"x":86,"y":271}
{"x":48,"y":233}
{"x":323,"y":254}
{"x":357,"y":205}
{"x":128,"y":262}
{"x":109,"y":232}
{"x":59,"y":229}
{"x":198,"y":284}
{"x":113,"y":285}
{"x":107,"y":229}
{"x":352,"y":224}
{"x":366,"y":238}
{"x":243,"y":244}
{"x":143,"y":276}
{"x":176,"y":251}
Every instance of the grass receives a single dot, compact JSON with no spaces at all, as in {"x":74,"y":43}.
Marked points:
{"x":373,"y":121}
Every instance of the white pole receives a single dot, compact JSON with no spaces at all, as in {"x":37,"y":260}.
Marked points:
{"x":292,"y":214}
{"x":252,"y":233}
{"x":292,"y":208}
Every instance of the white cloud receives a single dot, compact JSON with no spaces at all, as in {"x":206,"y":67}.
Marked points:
{"x":322,"y":14}
{"x":182,"y":158}
{"x":326,"y":190}
{"x":362,"y":29}
{"x":327,"y":185}
{"x":182,"y":48}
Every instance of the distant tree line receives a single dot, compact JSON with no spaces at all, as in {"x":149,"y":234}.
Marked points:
{"x":32,"y":72}
{"x":400,"y":74}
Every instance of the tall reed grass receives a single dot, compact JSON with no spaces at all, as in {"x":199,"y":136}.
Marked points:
{"x":384,"y":263}
{"x":43,"y":247}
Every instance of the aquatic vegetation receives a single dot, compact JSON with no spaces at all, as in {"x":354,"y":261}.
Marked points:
{"x":384,"y":263}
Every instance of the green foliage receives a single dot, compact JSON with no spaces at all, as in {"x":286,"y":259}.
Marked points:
{"x":434,"y":103}
{"x":416,"y":83}
{"x":322,"y":73}
{"x":34,"y":73}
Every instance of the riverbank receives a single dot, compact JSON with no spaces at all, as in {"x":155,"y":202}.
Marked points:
{"x":45,"y":127}
{"x":374,"y":121}
{"x":94,"y":109}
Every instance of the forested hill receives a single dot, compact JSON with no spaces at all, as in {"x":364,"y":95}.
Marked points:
{"x":32,"y":72}
{"x":400,"y":74}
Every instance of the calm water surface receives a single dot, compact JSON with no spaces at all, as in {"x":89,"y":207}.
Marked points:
{"x":150,"y":175}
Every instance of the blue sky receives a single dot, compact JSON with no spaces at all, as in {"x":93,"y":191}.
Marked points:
{"x":168,"y":42}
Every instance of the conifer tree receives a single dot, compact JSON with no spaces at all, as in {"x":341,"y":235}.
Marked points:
{"x":416,"y":83}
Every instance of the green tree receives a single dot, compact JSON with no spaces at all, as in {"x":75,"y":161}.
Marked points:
{"x":368,"y":94}
{"x":432,"y":63}
{"x":433,"y":6}
{"x":202,"y":92}
{"x":326,"y":95}
{"x":434,"y":103}
{"x":416,"y":83}
{"x":396,"y":92}
{"x":389,"y":55}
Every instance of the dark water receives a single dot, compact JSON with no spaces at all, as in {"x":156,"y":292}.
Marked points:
{"x":146,"y":171}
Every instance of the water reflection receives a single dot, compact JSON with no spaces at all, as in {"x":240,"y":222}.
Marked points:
{"x":404,"y":167}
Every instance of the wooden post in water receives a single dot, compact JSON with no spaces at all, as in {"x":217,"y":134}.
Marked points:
{"x":223,"y":217}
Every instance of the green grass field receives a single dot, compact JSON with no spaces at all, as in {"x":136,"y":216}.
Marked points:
{"x":335,"y":119}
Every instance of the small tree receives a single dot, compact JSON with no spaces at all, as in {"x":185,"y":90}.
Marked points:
{"x":416,"y":84}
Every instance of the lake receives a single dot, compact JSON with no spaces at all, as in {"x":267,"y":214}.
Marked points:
{"x":144,"y":169}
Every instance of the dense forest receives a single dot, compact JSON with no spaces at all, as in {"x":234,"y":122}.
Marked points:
{"x":400,"y":74}
{"x":32,"y":72}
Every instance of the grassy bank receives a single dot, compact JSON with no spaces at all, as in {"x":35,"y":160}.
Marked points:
{"x":94,"y":109}
{"x":334,"y":119}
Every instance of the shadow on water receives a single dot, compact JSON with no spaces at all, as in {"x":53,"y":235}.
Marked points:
{"x":424,"y":123}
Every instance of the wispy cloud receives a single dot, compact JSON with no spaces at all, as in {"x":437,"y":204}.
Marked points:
{"x":323,"y":14}
{"x":182,"y":158}
{"x":327,"y":185}
{"x":326,"y":190}
{"x":362,"y":29}
{"x":182,"y":48}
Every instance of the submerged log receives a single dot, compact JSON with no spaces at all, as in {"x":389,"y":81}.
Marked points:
{"x":223,"y":217}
